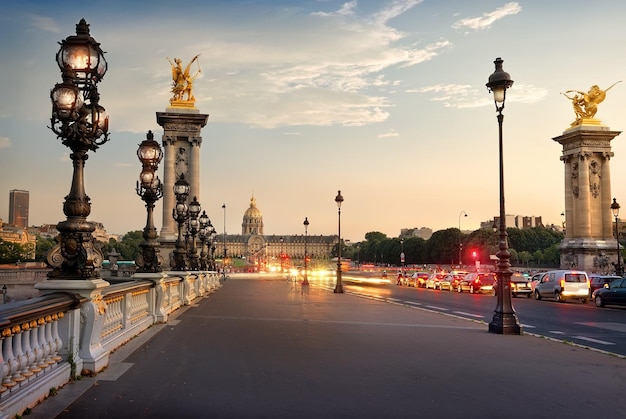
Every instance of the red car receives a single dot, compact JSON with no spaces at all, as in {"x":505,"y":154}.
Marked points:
{"x":475,"y":282}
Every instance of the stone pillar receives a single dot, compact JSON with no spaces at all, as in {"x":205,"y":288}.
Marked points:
{"x":589,"y":244}
{"x":181,"y":143}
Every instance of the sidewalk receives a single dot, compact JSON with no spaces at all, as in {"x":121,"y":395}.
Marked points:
{"x":262,"y":348}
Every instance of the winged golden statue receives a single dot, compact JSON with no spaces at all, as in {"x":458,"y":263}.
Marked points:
{"x":585,"y":104}
{"x":182,"y":82}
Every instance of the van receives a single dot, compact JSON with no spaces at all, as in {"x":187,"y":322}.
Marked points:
{"x":563,"y":285}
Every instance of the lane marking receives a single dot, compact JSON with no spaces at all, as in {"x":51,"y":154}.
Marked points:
{"x":556,"y":332}
{"x":438,"y":308}
{"x":602,"y":342}
{"x":527,"y":326}
{"x":478,"y":316}
{"x":413,"y":303}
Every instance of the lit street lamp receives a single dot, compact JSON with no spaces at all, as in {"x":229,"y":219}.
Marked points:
{"x":461,"y":241}
{"x":504,"y":319}
{"x":402,"y":256}
{"x":224,"y":261}
{"x":339,"y":285}
{"x":150,"y":189}
{"x":193,"y":226}
{"x":615,"y":209}
{"x":82,"y":125}
{"x":180,"y":214}
{"x":306,"y":227}
{"x":204,"y":234}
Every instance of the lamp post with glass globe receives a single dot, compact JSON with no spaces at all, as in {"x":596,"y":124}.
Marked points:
{"x":306,"y":227}
{"x":193,"y":226}
{"x":204,"y":234}
{"x":339,"y":285}
{"x":504,"y":319}
{"x":150,"y":189}
{"x":82,"y":125}
{"x":615,"y":210}
{"x":180,"y":214}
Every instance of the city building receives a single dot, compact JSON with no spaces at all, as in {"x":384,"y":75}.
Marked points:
{"x":19,"y":235}
{"x":514,"y":221}
{"x":18,"y":208}
{"x":264,"y":250}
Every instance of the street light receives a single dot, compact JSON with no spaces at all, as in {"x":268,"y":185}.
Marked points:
{"x":224,"y":262}
{"x":282,"y":256}
{"x":204,"y":234}
{"x":180,"y":214}
{"x":82,"y":125}
{"x":504,"y":319}
{"x":461,"y":241}
{"x":339,"y":285}
{"x":150,"y":189}
{"x":193,"y":226}
{"x":306,"y":227}
{"x":402,"y":255}
{"x":615,"y":209}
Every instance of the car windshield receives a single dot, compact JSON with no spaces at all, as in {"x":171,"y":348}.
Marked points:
{"x":575,"y":278}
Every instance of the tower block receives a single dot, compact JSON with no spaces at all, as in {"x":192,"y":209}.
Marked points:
{"x":589,"y":243}
{"x":181,"y":144}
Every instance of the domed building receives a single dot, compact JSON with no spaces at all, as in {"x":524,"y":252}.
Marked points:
{"x":264,"y":251}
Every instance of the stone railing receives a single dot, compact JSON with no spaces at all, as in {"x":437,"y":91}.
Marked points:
{"x":70,"y":330}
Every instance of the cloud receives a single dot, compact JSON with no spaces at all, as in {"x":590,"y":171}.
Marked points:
{"x":466,"y":96}
{"x":395,"y":9}
{"x":391,"y":133}
{"x":346,"y":10}
{"x":488,"y":19}
{"x":45,"y":24}
{"x":5,"y":142}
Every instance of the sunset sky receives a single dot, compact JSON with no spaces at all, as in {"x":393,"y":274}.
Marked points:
{"x":384,"y":100}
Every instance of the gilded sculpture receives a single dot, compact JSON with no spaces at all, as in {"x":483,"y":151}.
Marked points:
{"x":182,"y":82}
{"x":585,"y":104}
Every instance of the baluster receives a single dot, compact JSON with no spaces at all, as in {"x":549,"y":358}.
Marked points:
{"x":18,"y":355}
{"x":51,"y":343}
{"x":45,"y":345}
{"x":36,"y":348}
{"x":56,"y":338}
{"x":28,"y":357}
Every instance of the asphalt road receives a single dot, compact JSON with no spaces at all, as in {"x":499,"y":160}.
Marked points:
{"x":602,"y":329}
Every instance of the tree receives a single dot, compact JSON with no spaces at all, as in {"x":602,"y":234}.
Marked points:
{"x":128,"y":247}
{"x":14,"y":252}
{"x":42,"y":248}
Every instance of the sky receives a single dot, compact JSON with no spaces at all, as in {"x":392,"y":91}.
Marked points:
{"x":384,"y":100}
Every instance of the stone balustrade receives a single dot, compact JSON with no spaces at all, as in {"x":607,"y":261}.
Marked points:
{"x":51,"y":339}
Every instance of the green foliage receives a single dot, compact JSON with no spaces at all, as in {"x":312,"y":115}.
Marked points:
{"x":13,"y":252}
{"x":42,"y":248}
{"x":127,"y":247}
{"x":536,"y":246}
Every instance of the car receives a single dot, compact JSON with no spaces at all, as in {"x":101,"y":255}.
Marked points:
{"x":597,"y":281}
{"x":520,"y":285}
{"x":613,"y":293}
{"x":477,"y":282}
{"x":533,"y":281}
{"x":563,"y":285}
{"x":418,"y":279}
{"x":451,"y":281}
{"x":433,"y":280}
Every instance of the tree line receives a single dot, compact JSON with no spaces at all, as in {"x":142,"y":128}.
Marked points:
{"x":533,"y":247}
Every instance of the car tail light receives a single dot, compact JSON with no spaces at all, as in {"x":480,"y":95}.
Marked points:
{"x":477,"y":281}
{"x":562,"y":282}
{"x":588,"y":284}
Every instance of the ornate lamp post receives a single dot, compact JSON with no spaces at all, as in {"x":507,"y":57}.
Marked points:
{"x":82,"y":125}
{"x":339,"y":285}
{"x":193,"y":226}
{"x":224,"y":263}
{"x":615,"y":209}
{"x":460,"y":241}
{"x":180,"y":215}
{"x":306,"y":228}
{"x":150,"y":189}
{"x":204,"y":234}
{"x":504,"y":319}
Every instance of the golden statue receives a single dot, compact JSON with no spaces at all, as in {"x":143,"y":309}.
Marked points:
{"x":586,"y":104}
{"x":182,"y":82}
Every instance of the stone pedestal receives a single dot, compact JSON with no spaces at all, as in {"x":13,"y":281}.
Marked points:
{"x":589,"y":242}
{"x":181,"y":145}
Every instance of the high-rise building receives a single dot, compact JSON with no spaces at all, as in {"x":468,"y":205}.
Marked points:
{"x":18,"y":208}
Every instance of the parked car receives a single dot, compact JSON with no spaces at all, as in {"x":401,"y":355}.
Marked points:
{"x":599,"y":281}
{"x":475,"y":282}
{"x":520,"y":285}
{"x":613,"y":293}
{"x":563,"y":285}
{"x":433,"y":280}
{"x":418,"y":279}
{"x":451,"y":281}
{"x":533,"y":281}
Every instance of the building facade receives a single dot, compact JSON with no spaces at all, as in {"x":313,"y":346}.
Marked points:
{"x":18,"y":208}
{"x":274,"y":250}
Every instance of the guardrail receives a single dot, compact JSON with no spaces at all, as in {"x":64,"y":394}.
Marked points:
{"x":50,"y":340}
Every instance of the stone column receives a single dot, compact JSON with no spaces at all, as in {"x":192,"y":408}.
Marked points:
{"x":589,"y":241}
{"x":181,"y":143}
